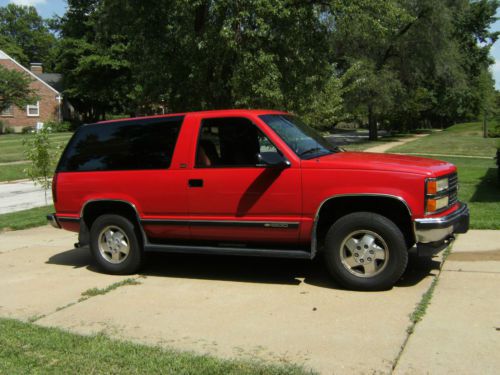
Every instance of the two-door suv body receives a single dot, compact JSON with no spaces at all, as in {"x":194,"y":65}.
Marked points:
{"x":256,"y":183}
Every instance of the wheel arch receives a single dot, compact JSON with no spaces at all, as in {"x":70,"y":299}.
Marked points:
{"x":94,"y":208}
{"x":333,"y":208}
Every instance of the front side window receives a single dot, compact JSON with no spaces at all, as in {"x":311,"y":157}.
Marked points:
{"x":232,"y":142}
{"x":128,"y":145}
{"x":33,"y":110}
{"x":303,"y":140}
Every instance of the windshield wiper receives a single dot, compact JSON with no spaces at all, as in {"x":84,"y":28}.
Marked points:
{"x":311,"y":150}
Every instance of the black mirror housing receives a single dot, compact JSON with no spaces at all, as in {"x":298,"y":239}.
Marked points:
{"x":274,"y":162}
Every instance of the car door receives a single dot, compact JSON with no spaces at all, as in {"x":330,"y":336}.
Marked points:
{"x":234,"y":197}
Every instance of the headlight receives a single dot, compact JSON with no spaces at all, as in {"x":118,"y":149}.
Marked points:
{"x":437,"y":185}
{"x":437,"y":194}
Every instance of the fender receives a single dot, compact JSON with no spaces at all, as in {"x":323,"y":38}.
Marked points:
{"x":314,"y":241}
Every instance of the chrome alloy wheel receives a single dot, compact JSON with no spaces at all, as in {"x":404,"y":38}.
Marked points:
{"x":114,"y":245}
{"x":364,"y":253}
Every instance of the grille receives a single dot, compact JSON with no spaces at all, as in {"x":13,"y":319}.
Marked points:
{"x":453,"y":189}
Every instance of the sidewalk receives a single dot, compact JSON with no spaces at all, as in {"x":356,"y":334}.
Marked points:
{"x":387,"y":146}
{"x":460,"y":333}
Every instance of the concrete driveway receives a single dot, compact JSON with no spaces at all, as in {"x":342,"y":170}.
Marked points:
{"x":275,"y":310}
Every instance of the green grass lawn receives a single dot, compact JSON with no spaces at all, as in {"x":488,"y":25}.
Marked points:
{"x":461,"y":139}
{"x":27,"y":349}
{"x":12,"y":172}
{"x":12,"y":150}
{"x":11,"y":145}
{"x":479,"y":186}
{"x":33,"y":217}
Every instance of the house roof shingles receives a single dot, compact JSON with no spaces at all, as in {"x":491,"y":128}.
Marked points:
{"x":51,"y":80}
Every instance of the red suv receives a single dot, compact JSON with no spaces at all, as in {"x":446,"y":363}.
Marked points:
{"x":255,"y":183}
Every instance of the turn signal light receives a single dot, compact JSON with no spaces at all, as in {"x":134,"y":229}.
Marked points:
{"x":433,"y":204}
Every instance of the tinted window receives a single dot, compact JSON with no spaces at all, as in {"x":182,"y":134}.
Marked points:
{"x":128,"y":145}
{"x":232,"y":142}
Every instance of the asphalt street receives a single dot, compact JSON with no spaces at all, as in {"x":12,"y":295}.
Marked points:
{"x":22,"y":195}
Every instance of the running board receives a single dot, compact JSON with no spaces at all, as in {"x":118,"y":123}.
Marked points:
{"x":214,"y":250}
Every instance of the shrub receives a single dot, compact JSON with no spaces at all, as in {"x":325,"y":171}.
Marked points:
{"x":495,"y":132}
{"x":9,"y":130}
{"x":57,"y":127}
{"x":28,"y":129}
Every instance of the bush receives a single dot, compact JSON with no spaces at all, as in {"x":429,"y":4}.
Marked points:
{"x":8,"y":130}
{"x":495,"y":132}
{"x":28,"y":129}
{"x":57,"y":127}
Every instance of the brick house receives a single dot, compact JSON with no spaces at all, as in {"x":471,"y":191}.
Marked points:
{"x":49,"y":107}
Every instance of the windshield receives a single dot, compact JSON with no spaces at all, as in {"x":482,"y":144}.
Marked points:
{"x":306,"y":142}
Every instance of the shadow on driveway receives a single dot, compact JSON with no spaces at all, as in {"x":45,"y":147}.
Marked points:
{"x":243,"y":269}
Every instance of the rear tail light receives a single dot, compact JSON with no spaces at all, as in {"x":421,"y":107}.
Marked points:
{"x":54,"y":188}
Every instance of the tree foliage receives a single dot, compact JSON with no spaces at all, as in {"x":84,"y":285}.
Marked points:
{"x":393,"y":63}
{"x":14,"y":89}
{"x":25,"y":35}
{"x":42,"y":154}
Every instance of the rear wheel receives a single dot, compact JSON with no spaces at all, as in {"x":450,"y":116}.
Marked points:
{"x":115,"y":245}
{"x":365,"y":251}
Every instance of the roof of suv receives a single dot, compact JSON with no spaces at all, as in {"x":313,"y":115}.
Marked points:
{"x":221,"y":112}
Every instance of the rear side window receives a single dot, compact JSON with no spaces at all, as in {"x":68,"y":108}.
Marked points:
{"x":128,"y":145}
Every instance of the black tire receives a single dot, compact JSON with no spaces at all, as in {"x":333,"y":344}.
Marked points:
{"x":383,"y":273}
{"x":118,"y":225}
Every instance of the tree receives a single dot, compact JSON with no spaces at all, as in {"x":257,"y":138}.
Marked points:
{"x":42,"y":156}
{"x":204,"y":54}
{"x":95,"y":65}
{"x":400,"y":63}
{"x":15,"y":89}
{"x":25,"y":35}
{"x":421,"y":60}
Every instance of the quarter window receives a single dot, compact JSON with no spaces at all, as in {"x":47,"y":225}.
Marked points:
{"x":33,"y":110}
{"x":232,"y":142}
{"x":128,"y":145}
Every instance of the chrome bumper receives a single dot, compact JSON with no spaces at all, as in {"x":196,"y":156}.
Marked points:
{"x":52,"y":219}
{"x":432,"y":230}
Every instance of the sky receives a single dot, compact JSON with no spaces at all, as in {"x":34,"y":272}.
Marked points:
{"x":47,"y":8}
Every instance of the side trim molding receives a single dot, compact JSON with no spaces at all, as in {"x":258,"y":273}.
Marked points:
{"x":225,"y":223}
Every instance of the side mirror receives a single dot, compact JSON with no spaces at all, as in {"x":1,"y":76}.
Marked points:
{"x":272,"y":160}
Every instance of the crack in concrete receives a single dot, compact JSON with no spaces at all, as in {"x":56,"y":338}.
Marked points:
{"x":492,"y":272}
{"x":85,"y":297}
{"x":426,"y":299}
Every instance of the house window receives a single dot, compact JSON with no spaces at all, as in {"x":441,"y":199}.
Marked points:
{"x":33,"y":110}
{"x":9,"y":111}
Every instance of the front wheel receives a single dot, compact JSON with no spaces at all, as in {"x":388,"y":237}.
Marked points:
{"x":365,"y":251}
{"x":115,"y":245}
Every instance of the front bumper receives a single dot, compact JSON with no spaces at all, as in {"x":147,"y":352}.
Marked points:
{"x":52,"y":219}
{"x":435,"y":234}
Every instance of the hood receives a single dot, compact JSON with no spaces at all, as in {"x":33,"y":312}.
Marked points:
{"x":382,"y":162}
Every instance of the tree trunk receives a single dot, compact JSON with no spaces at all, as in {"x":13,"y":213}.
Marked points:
{"x":485,"y":125}
{"x":372,"y":125}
